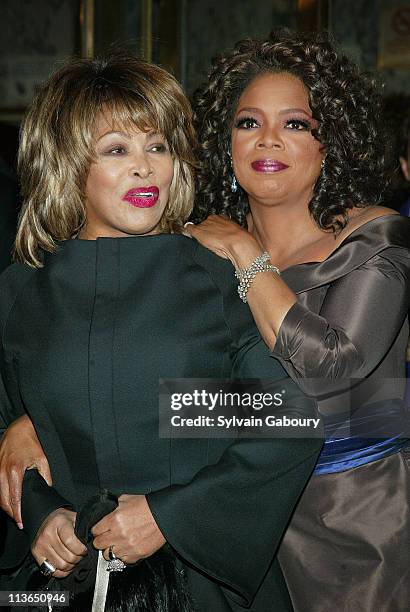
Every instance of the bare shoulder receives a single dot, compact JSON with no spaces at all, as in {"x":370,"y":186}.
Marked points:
{"x":372,"y":212}
{"x":360,"y":216}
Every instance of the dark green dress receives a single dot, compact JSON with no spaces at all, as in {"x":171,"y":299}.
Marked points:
{"x":84,"y":342}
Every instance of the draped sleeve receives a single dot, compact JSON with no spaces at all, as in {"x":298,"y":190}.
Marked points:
{"x":12,"y":280}
{"x":38,"y":501}
{"x":366,"y":288}
{"x":229,"y":519}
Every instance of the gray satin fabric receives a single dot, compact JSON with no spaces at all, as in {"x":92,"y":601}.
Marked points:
{"x":347,"y":546}
{"x":351,"y":316}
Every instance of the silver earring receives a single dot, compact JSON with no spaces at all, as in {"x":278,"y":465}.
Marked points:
{"x":234,"y":184}
{"x":322,"y":163}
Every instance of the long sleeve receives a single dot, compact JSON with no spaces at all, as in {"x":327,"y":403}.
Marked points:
{"x":228,"y":520}
{"x":5,"y":408}
{"x":38,"y":499}
{"x":11,"y":406}
{"x":226,"y":513}
{"x":38,"y":502}
{"x":359,"y":319}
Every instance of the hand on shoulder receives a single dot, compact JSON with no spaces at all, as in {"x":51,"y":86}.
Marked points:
{"x":226,"y":239}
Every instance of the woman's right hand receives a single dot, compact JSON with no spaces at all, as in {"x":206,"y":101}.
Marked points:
{"x":226,"y":239}
{"x":20,"y":450}
{"x":57,"y":542}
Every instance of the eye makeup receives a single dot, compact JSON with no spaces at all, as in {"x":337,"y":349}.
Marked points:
{"x":294,"y":123}
{"x":245,"y":123}
{"x":300,"y":124}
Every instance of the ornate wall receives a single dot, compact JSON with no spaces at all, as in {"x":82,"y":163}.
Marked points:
{"x":210,"y":26}
{"x":357,"y":26}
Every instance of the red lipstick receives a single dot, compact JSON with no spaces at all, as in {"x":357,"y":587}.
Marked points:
{"x":142,"y":197}
{"x":268,"y":165}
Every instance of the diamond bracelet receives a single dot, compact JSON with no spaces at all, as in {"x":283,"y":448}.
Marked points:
{"x":247,"y":275}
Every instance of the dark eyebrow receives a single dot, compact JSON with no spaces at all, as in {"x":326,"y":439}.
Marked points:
{"x":249,"y":109}
{"x":285,"y":111}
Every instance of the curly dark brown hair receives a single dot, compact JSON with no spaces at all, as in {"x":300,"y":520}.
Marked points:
{"x":345,"y":103}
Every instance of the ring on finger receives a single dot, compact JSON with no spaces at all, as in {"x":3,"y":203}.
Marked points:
{"x":114,"y":564}
{"x":47,"y":568}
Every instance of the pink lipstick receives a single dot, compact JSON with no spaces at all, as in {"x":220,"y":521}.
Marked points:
{"x":268,"y":165}
{"x":142,"y":197}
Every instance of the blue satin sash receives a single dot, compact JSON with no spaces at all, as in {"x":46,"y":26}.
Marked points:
{"x":351,"y":441}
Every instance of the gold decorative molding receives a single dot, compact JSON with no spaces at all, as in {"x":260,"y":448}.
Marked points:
{"x":87,"y":17}
{"x":146,"y":29}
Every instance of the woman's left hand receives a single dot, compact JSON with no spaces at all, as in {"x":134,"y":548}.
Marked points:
{"x":130,"y":529}
{"x":226,"y":239}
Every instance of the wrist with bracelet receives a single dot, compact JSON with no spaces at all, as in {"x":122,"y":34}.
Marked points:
{"x":246,"y":276}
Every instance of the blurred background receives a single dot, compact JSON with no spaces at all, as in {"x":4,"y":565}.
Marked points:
{"x":183,"y":36}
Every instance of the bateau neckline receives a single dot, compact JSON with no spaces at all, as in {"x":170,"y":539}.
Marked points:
{"x":121,"y":238}
{"x":344,"y":241}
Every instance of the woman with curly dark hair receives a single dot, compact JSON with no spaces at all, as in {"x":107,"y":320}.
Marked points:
{"x":102,"y":302}
{"x":292,"y":151}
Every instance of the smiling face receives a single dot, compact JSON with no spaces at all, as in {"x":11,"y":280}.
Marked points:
{"x":275,"y":157}
{"x":128,"y":183}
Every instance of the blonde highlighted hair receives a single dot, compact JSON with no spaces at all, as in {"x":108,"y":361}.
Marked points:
{"x":57,"y":143}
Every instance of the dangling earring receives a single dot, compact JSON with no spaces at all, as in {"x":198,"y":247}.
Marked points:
{"x":234,"y":184}
{"x":322,"y":163}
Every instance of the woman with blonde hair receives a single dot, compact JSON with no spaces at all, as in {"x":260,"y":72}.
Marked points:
{"x":103,"y":302}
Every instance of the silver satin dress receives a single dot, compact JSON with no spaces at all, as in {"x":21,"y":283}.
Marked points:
{"x":347,"y":548}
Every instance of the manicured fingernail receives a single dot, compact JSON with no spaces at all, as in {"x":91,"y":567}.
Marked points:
{"x":20,"y":525}
{"x":188,"y":223}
